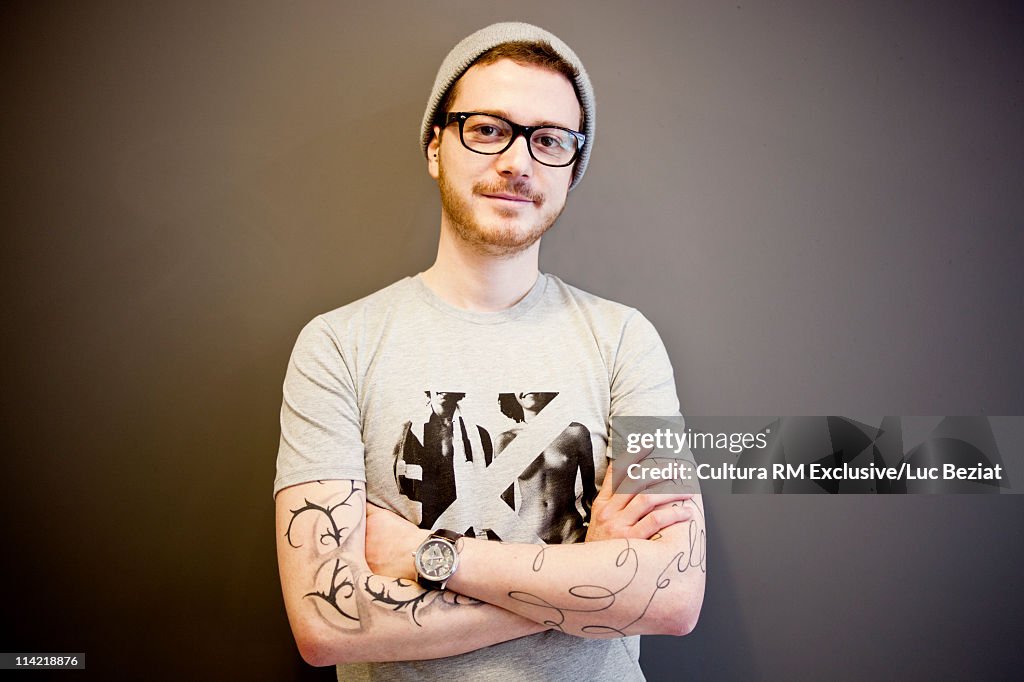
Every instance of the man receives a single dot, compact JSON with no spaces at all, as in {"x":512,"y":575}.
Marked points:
{"x":507,"y":132}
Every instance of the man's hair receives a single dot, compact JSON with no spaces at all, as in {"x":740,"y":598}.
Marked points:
{"x":526,"y":53}
{"x":510,"y":406}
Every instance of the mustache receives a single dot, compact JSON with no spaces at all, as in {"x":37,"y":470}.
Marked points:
{"x":520,"y":188}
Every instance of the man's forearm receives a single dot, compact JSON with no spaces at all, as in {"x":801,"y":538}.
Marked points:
{"x":610,"y":588}
{"x":399,"y":620}
{"x":342,"y":612}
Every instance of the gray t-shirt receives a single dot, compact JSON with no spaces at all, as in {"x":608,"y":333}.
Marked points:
{"x":491,"y":424}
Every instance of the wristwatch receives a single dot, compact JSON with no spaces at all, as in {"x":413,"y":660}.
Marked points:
{"x":436,"y":559}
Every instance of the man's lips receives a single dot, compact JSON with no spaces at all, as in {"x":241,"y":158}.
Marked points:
{"x":516,"y":198}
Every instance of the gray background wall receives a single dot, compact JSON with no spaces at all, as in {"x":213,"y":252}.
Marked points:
{"x":819,"y":204}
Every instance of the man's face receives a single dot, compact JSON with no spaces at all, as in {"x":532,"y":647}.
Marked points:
{"x":444,"y":403}
{"x":501,"y":204}
{"x":534,"y":402}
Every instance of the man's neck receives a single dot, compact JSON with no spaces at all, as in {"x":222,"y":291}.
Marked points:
{"x":465,"y":278}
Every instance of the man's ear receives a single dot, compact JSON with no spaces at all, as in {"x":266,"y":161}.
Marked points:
{"x":433,"y":149}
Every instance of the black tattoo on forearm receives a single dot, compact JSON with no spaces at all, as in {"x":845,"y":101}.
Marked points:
{"x":341,"y":582}
{"x":388,"y":594}
{"x":383,"y":597}
{"x":345,"y":587}
{"x":334,"y":576}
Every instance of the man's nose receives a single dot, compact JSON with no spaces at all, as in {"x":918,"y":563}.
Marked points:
{"x":516,"y":160}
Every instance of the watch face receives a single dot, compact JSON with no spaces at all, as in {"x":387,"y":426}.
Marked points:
{"x":436,"y":559}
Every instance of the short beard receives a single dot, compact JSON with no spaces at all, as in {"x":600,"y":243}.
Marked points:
{"x":501,"y":241}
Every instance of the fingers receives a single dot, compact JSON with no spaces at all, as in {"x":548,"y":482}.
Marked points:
{"x":607,"y":499}
{"x":661,"y":518}
{"x":649,"y":489}
{"x":640,"y":483}
{"x":664,"y":487}
{"x":607,"y":484}
{"x":635,"y":515}
{"x":644,"y":454}
{"x":642,"y":504}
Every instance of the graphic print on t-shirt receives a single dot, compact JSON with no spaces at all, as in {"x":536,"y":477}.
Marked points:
{"x":533,"y":480}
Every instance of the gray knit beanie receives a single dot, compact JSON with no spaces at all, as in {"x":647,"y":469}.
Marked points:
{"x":465,"y":53}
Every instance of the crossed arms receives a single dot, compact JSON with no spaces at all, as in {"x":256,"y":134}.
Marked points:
{"x":351,"y":595}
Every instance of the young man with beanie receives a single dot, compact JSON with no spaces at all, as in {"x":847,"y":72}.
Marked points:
{"x":375,"y":583}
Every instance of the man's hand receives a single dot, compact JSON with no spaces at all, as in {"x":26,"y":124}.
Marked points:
{"x":634,"y":515}
{"x":390,"y":542}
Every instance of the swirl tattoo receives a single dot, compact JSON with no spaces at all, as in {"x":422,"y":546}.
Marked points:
{"x":695,"y":556}
{"x":596,"y":598}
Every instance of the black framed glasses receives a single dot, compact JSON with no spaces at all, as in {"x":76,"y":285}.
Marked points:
{"x":490,"y":134}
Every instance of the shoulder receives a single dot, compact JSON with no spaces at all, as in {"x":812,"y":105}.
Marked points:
{"x":369,"y":310}
{"x":377,"y":305}
{"x":608,"y":319}
{"x":639,"y":370}
{"x":357,"y":320}
{"x":584,"y":299}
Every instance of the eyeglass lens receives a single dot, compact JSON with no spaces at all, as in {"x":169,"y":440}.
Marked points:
{"x":490,"y":135}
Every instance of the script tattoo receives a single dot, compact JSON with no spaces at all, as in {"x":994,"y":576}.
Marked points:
{"x":585,"y":598}
{"x":590,"y":599}
{"x":405,"y":596}
{"x":538,"y":561}
{"x":334,"y":574}
{"x":693,"y":557}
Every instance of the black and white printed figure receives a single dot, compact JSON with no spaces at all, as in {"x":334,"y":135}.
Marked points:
{"x":447,"y":456}
{"x":548,"y":495}
{"x":433,"y":459}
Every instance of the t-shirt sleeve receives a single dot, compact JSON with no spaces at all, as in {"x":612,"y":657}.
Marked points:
{"x":642,"y":382}
{"x":321,"y":434}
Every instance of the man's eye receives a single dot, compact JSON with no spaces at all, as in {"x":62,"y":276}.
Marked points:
{"x":547,"y":141}
{"x":486,"y":131}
